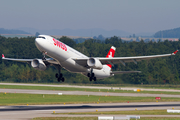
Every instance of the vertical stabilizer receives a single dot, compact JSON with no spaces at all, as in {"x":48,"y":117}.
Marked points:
{"x":111,"y":54}
{"x":3,"y":56}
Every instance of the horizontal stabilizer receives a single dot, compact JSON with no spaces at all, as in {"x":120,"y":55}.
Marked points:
{"x":124,"y":72}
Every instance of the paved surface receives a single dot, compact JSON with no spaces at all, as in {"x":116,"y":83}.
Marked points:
{"x":29,"y":114}
{"x":92,"y":87}
{"x":85,"y":93}
{"x":90,"y":106}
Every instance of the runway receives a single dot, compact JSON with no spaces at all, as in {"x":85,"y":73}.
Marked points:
{"x":28,"y":115}
{"x":88,"y":106}
{"x":85,"y":93}
{"x":92,"y":87}
{"x":29,"y":112}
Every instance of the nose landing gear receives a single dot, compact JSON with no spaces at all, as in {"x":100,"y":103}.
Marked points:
{"x":44,"y":55}
{"x":58,"y":75}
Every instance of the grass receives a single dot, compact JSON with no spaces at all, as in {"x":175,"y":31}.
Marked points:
{"x":82,"y":89}
{"x":43,"y":88}
{"x":37,"y":99}
{"x":158,"y":118}
{"x":95,"y":118}
{"x":134,"y":112}
{"x":65,"y":118}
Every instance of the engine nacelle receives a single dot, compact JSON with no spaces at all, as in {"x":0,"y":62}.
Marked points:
{"x":38,"y":64}
{"x":94,"y":63}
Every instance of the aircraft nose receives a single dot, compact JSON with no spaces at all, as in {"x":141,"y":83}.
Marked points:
{"x":39,"y":43}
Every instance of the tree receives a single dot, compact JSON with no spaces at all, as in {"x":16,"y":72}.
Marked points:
{"x":68,"y":41}
{"x":155,"y":71}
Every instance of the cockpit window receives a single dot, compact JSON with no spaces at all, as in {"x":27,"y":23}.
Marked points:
{"x":41,"y":37}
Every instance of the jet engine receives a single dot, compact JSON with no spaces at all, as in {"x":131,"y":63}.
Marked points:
{"x":94,"y":63}
{"x":38,"y":64}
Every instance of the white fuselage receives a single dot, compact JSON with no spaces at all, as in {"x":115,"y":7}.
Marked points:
{"x":64,"y":54}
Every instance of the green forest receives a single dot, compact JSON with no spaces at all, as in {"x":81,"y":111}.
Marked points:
{"x":155,"y":71}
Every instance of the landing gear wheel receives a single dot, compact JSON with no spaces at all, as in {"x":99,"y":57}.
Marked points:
{"x":62,"y":79}
{"x":59,"y":79}
{"x":61,"y":75}
{"x":92,"y":75}
{"x":89,"y":75}
{"x":90,"y":78}
{"x":56,"y":75}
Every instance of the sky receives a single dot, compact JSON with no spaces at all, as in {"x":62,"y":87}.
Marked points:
{"x":135,"y":16}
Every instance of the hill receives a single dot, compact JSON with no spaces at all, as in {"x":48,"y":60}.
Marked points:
{"x":172,"y":33}
{"x":78,"y":32}
{"x":7,"y":31}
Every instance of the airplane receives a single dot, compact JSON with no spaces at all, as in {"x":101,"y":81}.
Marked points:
{"x":63,"y":56}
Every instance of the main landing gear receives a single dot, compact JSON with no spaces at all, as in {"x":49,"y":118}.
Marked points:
{"x":91,"y":76}
{"x":59,"y":75}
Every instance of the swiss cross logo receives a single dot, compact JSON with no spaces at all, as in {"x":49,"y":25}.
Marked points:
{"x":110,"y":53}
{"x":60,"y":44}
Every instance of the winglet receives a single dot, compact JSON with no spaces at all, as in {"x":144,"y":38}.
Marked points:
{"x":3,"y":56}
{"x":175,"y":52}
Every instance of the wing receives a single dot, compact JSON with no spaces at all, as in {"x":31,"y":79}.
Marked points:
{"x":47,"y":61}
{"x":124,"y":72}
{"x":122,"y":60}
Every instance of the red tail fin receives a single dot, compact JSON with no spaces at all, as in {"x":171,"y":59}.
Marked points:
{"x":111,"y":54}
{"x":3,"y":56}
{"x":175,"y":52}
